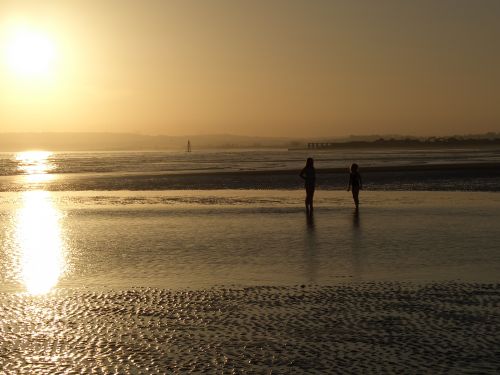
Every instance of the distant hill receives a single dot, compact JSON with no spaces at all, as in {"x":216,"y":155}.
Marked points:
{"x":124,"y":141}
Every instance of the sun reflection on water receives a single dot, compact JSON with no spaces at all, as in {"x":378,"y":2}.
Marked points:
{"x":35,"y":165}
{"x":38,"y":235}
{"x":39,"y":242}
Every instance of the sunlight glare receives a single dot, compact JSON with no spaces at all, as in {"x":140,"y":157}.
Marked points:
{"x":38,"y":234}
{"x":29,"y":53}
{"x":35,"y":165}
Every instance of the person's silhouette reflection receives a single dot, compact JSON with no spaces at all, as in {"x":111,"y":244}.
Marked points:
{"x":355,"y":220}
{"x":310,"y":221}
{"x":357,"y":246}
{"x":310,"y":251}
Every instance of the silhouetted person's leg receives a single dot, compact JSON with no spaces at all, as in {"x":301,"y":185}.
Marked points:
{"x":355,"y":197}
{"x":309,"y":199}
{"x":311,"y":202}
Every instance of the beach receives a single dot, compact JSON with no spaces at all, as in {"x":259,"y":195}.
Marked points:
{"x":349,"y":328}
{"x":232,"y":281}
{"x":109,"y":269}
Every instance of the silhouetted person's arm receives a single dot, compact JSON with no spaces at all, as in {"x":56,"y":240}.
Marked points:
{"x":302,"y":174}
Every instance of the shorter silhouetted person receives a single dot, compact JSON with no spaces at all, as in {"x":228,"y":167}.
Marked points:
{"x":309,"y":176}
{"x":355,"y":183}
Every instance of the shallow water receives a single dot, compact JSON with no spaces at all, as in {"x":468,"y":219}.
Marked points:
{"x":180,"y":239}
{"x":445,"y":170}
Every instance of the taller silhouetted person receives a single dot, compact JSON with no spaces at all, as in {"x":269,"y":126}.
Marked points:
{"x":355,"y":183}
{"x":308,"y":173}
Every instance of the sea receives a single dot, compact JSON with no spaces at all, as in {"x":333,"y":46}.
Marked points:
{"x":179,"y":220}
{"x":386,"y":169}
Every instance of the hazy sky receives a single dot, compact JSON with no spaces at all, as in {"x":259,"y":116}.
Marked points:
{"x":271,"y":68}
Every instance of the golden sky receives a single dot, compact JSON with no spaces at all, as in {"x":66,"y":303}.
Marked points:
{"x":268,"y":68}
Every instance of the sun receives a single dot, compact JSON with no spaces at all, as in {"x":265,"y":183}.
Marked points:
{"x":29,"y":53}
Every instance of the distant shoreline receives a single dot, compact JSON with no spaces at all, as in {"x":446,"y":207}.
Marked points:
{"x":400,"y":145}
{"x":115,"y":142}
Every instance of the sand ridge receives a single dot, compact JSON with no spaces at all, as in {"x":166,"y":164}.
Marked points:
{"x":369,"y":327}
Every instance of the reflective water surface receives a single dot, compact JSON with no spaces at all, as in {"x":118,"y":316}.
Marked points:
{"x":38,"y":244}
{"x":35,"y":166}
{"x":197,"y":239}
{"x":35,"y":252}
{"x":200,"y":238}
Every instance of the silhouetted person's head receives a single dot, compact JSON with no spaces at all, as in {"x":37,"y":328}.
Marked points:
{"x":310,"y":163}
{"x":354,"y":167}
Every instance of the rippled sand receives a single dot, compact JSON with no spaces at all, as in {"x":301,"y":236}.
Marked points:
{"x":349,"y":328}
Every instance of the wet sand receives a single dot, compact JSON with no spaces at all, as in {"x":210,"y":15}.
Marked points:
{"x":409,"y":285}
{"x":427,"y":177}
{"x":349,"y":328}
